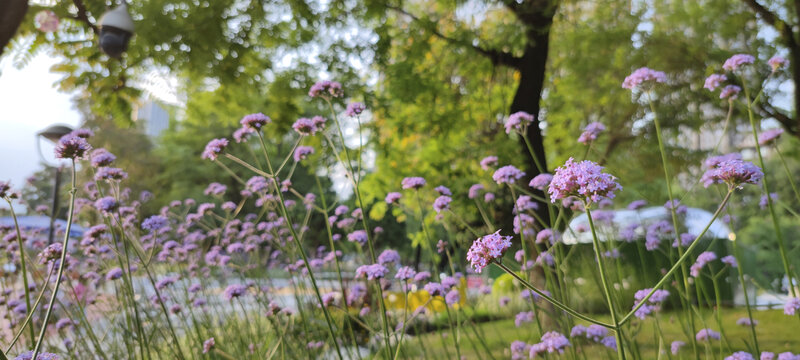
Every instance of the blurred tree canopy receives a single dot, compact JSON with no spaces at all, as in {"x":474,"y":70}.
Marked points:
{"x":438,"y":77}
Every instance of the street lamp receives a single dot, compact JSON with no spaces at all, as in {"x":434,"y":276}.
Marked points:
{"x":52,"y":133}
{"x":116,"y":30}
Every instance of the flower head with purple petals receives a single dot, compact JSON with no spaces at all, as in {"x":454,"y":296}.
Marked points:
{"x":507,"y":175}
{"x":585,"y":180}
{"x":643,"y":75}
{"x":736,"y":61}
{"x":486,"y":249}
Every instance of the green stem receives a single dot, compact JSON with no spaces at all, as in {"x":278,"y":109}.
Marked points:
{"x":680,"y":261}
{"x":740,"y":272}
{"x":61,"y":265}
{"x":773,"y":214}
{"x":606,"y":288}
{"x":555,"y":302}
{"x":22,"y":264}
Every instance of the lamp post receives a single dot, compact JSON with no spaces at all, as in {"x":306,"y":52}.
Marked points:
{"x":116,"y":30}
{"x":52,"y":133}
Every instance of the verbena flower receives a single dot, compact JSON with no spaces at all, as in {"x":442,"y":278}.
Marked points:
{"x":519,"y":350}
{"x":358,"y":236}
{"x":609,"y":342}
{"x":590,"y":132}
{"x":208,"y":345}
{"x":354,"y":109}
{"x":443,"y":190}
{"x":106,"y":204}
{"x":746,"y":322}
{"x":155,"y":223}
{"x":546,"y":236}
{"x":72,"y":146}
{"x":234,"y":291}
{"x":110,"y":174}
{"x":507,"y":175}
{"x":769,"y":136}
{"x":304,"y":126}
{"x":584,"y":180}
{"x":788,"y":356}
{"x":766,"y":355}
{"x":442,"y":203}
{"x":792,"y":306}
{"x":736,"y":61}
{"x":702,"y":260}
{"x":303,"y":152}
{"x":372,"y":272}
{"x":524,"y":317}
{"x":730,"y":92}
{"x":541,"y":181}
{"x":553,"y":341}
{"x":486,"y":249}
{"x":5,"y":189}
{"x":474,"y":191}
{"x":707,"y":335}
{"x":676,"y":346}
{"x":777,"y":62}
{"x":518,"y":121}
{"x":389,"y":256}
{"x":643,"y":75}
{"x":214,"y":148}
{"x":101,"y":157}
{"x":413,"y":183}
{"x":713,"y":81}
{"x":637,"y":204}
{"x":326,"y":89}
{"x":255,"y":122}
{"x":28,"y":355}
{"x":489,"y":162}
{"x":740,"y":355}
{"x":114,"y":274}
{"x":733,"y":172}
{"x":405,"y":273}
{"x":729,"y":260}
{"x":393,"y":197}
{"x":452,"y":297}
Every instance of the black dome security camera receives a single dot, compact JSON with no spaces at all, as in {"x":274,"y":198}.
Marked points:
{"x":116,"y":30}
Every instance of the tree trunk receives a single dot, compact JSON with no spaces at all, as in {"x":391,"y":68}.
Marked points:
{"x":11,"y":14}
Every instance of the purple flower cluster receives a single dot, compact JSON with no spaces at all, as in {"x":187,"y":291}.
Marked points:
{"x":585,"y":180}
{"x":777,"y":62}
{"x":730,"y":92}
{"x":154,"y":223}
{"x":769,"y":136}
{"x":305,"y":126}
{"x":590,"y":132}
{"x":325,"y":89}
{"x":413,"y":183}
{"x":518,"y":121}
{"x":706,"y":335}
{"x":372,"y":272}
{"x":731,"y":171}
{"x":713,"y":81}
{"x":507,"y":175}
{"x":524,"y":317}
{"x":354,"y":109}
{"x":208,"y":345}
{"x":72,"y":146}
{"x":489,"y":162}
{"x":214,"y":148}
{"x":234,"y":291}
{"x":486,"y":249}
{"x":736,"y":61}
{"x":102,"y":157}
{"x":740,"y":355}
{"x":393,"y":197}
{"x":28,"y":355}
{"x":653,"y":303}
{"x":642,"y":75}
{"x":792,"y":306}
{"x":541,"y":181}
{"x":254,"y":122}
{"x":702,"y":260}
{"x":302,"y":152}
{"x":442,"y":203}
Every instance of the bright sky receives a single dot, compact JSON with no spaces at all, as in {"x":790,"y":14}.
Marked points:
{"x":29,"y":102}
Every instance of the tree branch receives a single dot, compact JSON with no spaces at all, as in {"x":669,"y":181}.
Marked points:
{"x":773,"y":20}
{"x":497,"y":57}
{"x":11,"y":14}
{"x":789,"y":124}
{"x":83,"y":16}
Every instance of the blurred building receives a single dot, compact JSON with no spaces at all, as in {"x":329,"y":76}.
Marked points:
{"x":152,"y":118}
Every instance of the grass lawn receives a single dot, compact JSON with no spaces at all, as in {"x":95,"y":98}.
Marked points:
{"x":776,"y":333}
